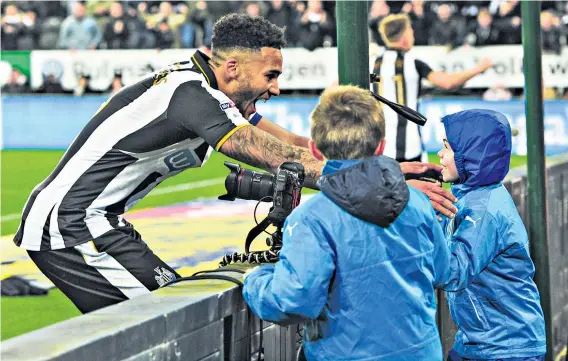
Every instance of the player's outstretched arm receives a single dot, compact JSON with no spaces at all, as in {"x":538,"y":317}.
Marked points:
{"x":282,"y":134}
{"x":257,"y":148}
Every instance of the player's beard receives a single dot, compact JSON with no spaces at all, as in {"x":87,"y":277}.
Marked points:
{"x":244,"y":97}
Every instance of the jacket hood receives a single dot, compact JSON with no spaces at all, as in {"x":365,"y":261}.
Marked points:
{"x":481,"y":141}
{"x":373,"y":189}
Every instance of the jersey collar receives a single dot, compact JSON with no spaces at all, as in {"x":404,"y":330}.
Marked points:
{"x":201,"y":62}
{"x":398,"y":50}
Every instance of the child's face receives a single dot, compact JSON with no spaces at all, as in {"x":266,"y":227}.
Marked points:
{"x":449,"y":172}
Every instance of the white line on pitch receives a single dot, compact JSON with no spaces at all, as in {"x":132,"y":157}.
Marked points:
{"x":155,"y":192}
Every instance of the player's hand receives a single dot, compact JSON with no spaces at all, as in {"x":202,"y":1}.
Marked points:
{"x":484,"y":64}
{"x":415,"y":170}
{"x":441,"y":199}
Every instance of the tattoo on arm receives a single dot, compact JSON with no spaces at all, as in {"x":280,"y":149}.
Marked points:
{"x":260,"y":149}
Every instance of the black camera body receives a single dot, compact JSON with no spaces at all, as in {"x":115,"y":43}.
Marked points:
{"x":283,"y":189}
{"x":288,"y":184}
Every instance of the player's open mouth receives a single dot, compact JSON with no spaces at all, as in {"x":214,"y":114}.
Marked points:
{"x":253,"y":105}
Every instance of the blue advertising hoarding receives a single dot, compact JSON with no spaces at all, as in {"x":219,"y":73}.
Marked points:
{"x":555,"y":121}
{"x":52,"y":122}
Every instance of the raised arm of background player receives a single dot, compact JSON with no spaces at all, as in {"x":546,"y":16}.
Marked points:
{"x":445,"y":80}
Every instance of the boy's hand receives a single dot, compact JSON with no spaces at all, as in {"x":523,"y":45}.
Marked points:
{"x":440,"y":198}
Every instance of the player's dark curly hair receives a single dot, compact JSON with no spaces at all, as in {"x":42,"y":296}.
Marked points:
{"x":235,"y":31}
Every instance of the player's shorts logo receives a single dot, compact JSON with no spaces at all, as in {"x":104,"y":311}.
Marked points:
{"x":163,"y":276}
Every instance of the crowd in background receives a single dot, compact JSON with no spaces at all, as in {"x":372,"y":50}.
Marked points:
{"x":28,"y":25}
{"x":44,"y":25}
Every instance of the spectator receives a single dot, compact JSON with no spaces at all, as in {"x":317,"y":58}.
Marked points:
{"x":99,"y":10}
{"x":139,"y":37}
{"x":482,"y":32}
{"x":172,"y":21}
{"x":165,"y":37}
{"x":379,"y":9}
{"x":490,"y":278}
{"x":198,"y":28}
{"x":116,"y":33}
{"x":116,"y":83}
{"x":550,"y":33}
{"x":365,"y":252}
{"x":316,"y":27}
{"x":253,"y":9}
{"x":447,"y":30}
{"x":17,"y":83}
{"x":470,"y":9}
{"x":48,"y":9}
{"x":507,"y":19}
{"x":281,"y":14}
{"x":220,"y":8}
{"x":421,"y":20}
{"x":505,"y":8}
{"x":79,"y":31}
{"x":29,"y":32}
{"x":82,"y":85}
{"x":278,"y":13}
{"x":51,"y":85}
{"x":11,"y":28}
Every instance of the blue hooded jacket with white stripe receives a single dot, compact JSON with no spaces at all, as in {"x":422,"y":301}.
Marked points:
{"x":491,"y":293}
{"x":359,"y":264}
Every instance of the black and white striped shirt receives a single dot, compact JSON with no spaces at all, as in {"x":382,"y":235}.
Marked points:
{"x":165,"y":123}
{"x":400,"y":77}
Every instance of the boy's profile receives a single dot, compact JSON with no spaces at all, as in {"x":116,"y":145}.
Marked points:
{"x":491,"y":293}
{"x":360,"y":260}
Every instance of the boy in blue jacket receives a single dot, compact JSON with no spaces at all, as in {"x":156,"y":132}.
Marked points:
{"x":360,"y":260}
{"x":491,"y":294}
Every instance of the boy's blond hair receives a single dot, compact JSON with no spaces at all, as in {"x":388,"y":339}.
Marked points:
{"x":347,"y":123}
{"x":393,"y":26}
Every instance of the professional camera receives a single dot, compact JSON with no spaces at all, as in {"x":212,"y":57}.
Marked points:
{"x":283,"y":189}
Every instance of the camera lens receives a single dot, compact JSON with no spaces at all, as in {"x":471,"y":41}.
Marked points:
{"x":247,"y":184}
{"x":254,"y":185}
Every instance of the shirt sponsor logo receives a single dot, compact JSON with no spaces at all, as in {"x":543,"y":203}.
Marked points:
{"x":226,"y":105}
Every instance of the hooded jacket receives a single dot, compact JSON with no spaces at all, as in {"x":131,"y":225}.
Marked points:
{"x":359,"y":263}
{"x":491,"y":293}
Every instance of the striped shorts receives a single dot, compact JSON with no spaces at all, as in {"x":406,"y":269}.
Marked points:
{"x":107,"y":270}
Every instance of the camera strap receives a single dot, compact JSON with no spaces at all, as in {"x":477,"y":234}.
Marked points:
{"x":258,"y":229}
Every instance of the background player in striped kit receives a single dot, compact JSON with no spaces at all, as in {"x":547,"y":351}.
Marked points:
{"x":400,"y":77}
